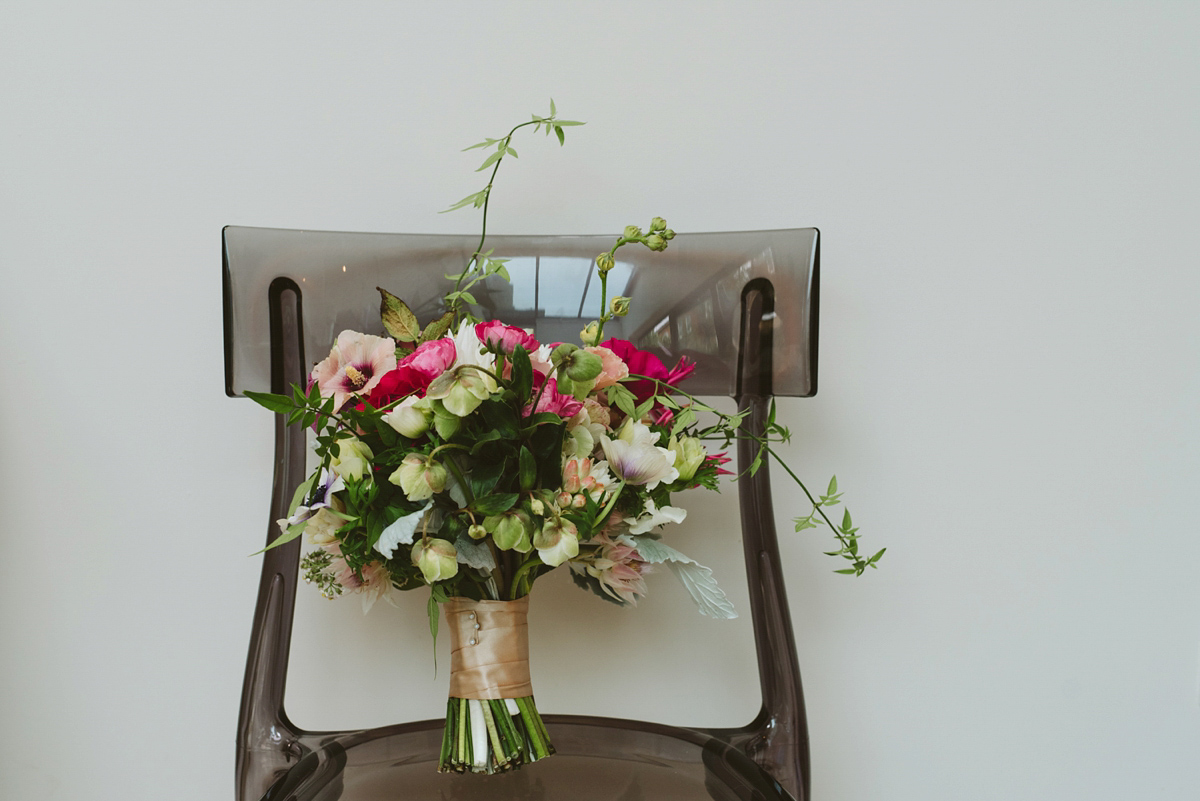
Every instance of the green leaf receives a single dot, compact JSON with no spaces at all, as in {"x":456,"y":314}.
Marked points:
{"x":398,"y":319}
{"x":553,"y":111}
{"x":281,"y":404}
{"x":475,"y":200}
{"x":568,"y":122}
{"x":832,"y":487}
{"x":469,"y":298}
{"x":804,"y":522}
{"x":437,"y":328}
{"x":846,"y":521}
{"x":848,"y":571}
{"x":510,"y":152}
{"x":875,"y":558}
{"x":527,"y":473}
{"x":522,"y":373}
{"x":494,"y":504}
{"x":562,"y":139}
{"x":432,"y":608}
{"x":484,"y":143}
{"x":490,"y":160}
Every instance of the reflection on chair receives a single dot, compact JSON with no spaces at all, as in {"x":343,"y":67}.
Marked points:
{"x":742,"y":305}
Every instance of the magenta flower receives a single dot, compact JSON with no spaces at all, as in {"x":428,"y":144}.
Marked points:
{"x":551,"y":400}
{"x":504,"y":338}
{"x":643,"y":362}
{"x":354,"y":366}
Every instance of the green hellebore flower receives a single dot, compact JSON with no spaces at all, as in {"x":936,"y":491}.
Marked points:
{"x":511,"y":531}
{"x":437,"y":559}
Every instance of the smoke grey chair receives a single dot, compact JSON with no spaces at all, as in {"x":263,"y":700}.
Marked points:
{"x":742,"y":305}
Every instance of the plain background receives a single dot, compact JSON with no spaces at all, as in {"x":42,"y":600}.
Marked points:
{"x":1009,"y":351}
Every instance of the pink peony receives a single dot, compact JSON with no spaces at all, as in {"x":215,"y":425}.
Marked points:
{"x":504,"y":338}
{"x":354,"y":366}
{"x":431,"y":358}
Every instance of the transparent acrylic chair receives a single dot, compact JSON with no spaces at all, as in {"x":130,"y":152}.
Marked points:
{"x":742,"y":305}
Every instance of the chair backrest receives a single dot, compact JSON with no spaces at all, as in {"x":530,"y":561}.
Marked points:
{"x":687,"y":298}
{"x":743,"y":305}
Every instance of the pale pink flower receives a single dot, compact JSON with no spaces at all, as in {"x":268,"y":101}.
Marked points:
{"x":612,"y":368}
{"x":375,"y":583}
{"x":354,"y":366}
{"x":618,"y":568}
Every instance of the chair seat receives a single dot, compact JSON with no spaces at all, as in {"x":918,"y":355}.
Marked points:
{"x":598,"y":758}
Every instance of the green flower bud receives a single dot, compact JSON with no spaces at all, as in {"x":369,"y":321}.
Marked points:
{"x":437,"y":559}
{"x":656,"y":242}
{"x":583,"y":366}
{"x":619,"y":306}
{"x":689,"y":455}
{"x":477,"y":532}
{"x":657,"y":224}
{"x":605,"y":262}
{"x":668,"y":234}
{"x":633,"y":232}
{"x":562,"y":351}
{"x":589,"y":335}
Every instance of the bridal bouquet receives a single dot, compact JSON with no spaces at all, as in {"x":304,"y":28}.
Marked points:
{"x":469,"y":457}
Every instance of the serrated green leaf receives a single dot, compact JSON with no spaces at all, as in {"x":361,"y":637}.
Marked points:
{"x":398,"y":319}
{"x":437,"y":328}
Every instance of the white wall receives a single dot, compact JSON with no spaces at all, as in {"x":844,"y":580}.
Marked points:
{"x":1009,"y":365}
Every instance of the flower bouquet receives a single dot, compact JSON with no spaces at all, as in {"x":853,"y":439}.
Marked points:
{"x":467,"y":456}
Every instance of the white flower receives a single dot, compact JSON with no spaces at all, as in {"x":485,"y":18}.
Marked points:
{"x":557,"y":541}
{"x":410,"y":417}
{"x":635,"y":457}
{"x":653,"y":516}
{"x":353,"y":458}
{"x":322,"y":527}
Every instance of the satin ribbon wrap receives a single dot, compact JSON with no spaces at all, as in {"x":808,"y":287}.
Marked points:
{"x":497,"y":664}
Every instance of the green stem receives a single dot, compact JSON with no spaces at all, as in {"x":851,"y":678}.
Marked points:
{"x":462,"y":480}
{"x":487,"y":198}
{"x":521,"y":571}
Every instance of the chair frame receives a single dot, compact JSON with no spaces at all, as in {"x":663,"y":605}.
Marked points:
{"x":274,"y":755}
